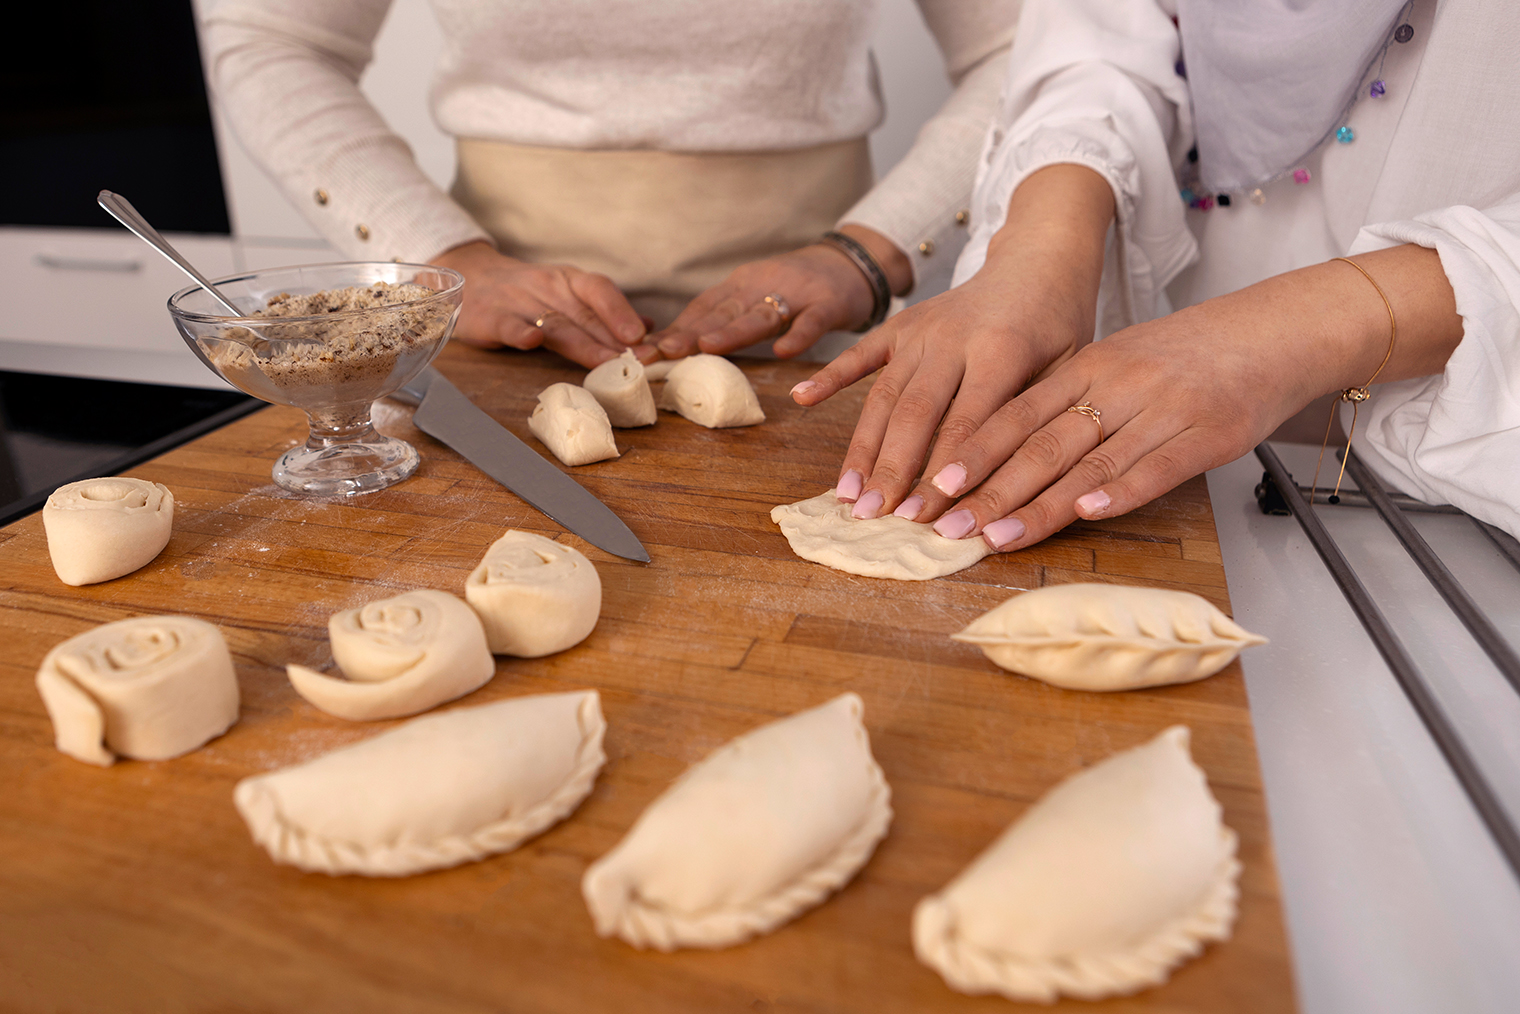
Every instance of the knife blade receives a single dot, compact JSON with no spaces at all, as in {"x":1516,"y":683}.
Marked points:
{"x":443,"y":412}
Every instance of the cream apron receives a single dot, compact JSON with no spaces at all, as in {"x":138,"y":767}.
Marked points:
{"x":662,"y":225}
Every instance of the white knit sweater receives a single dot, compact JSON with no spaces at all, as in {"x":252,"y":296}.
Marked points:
{"x":672,"y":75}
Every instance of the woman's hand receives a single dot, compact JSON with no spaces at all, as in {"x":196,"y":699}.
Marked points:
{"x":584,"y":316}
{"x":952,"y":361}
{"x":822,"y":287}
{"x":1189,"y":392}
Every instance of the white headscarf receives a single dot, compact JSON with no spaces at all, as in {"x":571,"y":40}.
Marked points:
{"x":1272,"y":79}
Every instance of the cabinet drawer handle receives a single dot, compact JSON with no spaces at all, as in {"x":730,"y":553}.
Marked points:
{"x":88,"y":263}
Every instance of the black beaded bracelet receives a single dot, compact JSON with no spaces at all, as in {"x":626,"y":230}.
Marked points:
{"x":881,"y":289}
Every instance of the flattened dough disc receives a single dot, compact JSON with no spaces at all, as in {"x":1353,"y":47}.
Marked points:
{"x":822,"y":530}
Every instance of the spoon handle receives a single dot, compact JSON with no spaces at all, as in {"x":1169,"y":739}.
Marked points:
{"x":121,"y":209}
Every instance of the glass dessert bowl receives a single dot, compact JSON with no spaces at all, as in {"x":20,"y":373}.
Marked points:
{"x":329,"y":339}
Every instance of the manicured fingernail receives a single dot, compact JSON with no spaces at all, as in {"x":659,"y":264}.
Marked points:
{"x":672,"y":347}
{"x":633,"y":332}
{"x":1093,"y":504}
{"x":868,"y":506}
{"x":909,"y":508}
{"x":950,"y":479}
{"x":849,"y":486}
{"x":956,"y":524}
{"x":806,"y":387}
{"x":1001,"y":533}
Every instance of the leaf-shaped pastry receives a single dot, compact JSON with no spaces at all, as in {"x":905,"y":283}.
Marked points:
{"x":758,"y":832}
{"x":99,"y":529}
{"x":1109,"y":637}
{"x":438,"y":791}
{"x":534,"y":596}
{"x":401,"y":655}
{"x":151,"y":687}
{"x":1102,"y":887}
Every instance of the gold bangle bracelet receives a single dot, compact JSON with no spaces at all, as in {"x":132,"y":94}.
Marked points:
{"x":1355,"y":395}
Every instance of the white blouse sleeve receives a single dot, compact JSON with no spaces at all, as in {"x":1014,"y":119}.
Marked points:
{"x":916,"y":204}
{"x":1095,"y":83}
{"x":286,"y":73}
{"x":1455,"y":437}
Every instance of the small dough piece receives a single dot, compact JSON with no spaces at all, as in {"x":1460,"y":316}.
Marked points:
{"x":752,"y":836}
{"x":152,"y":687}
{"x":570,"y":423}
{"x":822,"y":530}
{"x":619,"y":387}
{"x":401,"y":655}
{"x":438,"y":791}
{"x":711,"y":392}
{"x":1101,"y":888}
{"x":1108,"y":636}
{"x":99,"y":529}
{"x":534,"y":596}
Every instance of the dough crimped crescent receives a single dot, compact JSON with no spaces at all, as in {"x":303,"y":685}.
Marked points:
{"x":712,"y":392}
{"x":534,"y":596}
{"x":761,"y":830}
{"x":401,"y":655}
{"x":619,"y":387}
{"x":99,"y":529}
{"x":822,"y":530}
{"x":1101,"y":888}
{"x":438,"y":791}
{"x":568,"y":421}
{"x":152,"y":687}
{"x":1109,"y":637}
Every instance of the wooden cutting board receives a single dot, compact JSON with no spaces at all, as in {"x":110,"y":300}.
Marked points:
{"x":137,"y":888}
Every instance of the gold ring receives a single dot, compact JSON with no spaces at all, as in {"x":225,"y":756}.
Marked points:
{"x":1086,"y":409}
{"x":539,"y":323}
{"x":780,"y":305}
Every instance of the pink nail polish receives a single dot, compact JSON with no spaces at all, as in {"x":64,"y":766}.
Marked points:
{"x":868,"y":506}
{"x":956,"y":524}
{"x":950,"y":479}
{"x":1093,"y":504}
{"x":909,"y":508}
{"x":804,"y":388}
{"x":848,"y":489}
{"x":1004,"y":532}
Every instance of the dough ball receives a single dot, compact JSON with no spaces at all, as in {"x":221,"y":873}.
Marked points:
{"x":711,"y":392}
{"x":99,"y":529}
{"x":749,"y":838}
{"x":401,"y":655}
{"x":619,"y":387}
{"x":1109,"y":636}
{"x":822,"y":530}
{"x":534,"y":596}
{"x":1111,"y":880}
{"x":572,"y":425}
{"x":152,"y":687}
{"x":435,"y":792}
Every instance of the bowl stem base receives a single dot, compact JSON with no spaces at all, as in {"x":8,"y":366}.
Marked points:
{"x":345,"y":462}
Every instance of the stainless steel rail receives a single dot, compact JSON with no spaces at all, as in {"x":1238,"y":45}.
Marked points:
{"x":1490,"y":810}
{"x":1488,"y":637}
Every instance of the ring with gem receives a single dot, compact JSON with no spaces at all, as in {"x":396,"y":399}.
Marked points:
{"x":1085,"y":408}
{"x":539,"y":323}
{"x":781,"y":306}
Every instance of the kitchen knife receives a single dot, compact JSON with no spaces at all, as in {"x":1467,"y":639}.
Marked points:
{"x":447,"y":415}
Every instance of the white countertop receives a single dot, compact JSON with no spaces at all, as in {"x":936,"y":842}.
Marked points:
{"x":1397,"y":900}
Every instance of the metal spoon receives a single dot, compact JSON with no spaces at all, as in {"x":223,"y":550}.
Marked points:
{"x":121,"y":209}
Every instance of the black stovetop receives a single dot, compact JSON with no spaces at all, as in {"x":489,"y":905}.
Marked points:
{"x":54,"y":430}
